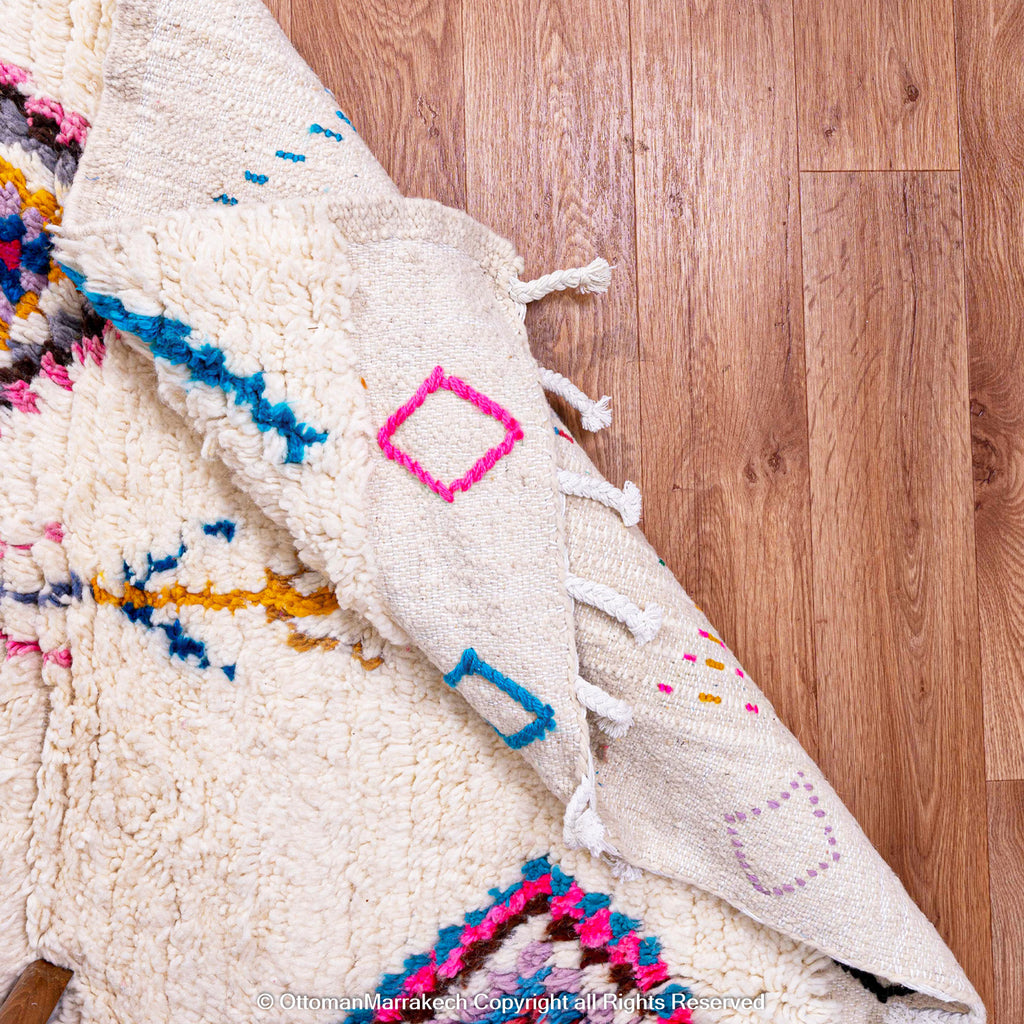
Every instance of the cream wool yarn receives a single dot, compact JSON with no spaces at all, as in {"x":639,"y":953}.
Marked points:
{"x":185,"y":833}
{"x":280,"y":478}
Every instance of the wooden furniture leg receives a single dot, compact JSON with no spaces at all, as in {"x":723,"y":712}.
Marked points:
{"x":35,"y":994}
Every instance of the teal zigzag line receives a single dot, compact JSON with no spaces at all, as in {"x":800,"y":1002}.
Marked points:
{"x":206,"y":365}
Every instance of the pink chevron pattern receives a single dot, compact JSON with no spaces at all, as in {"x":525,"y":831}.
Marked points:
{"x":546,"y":951}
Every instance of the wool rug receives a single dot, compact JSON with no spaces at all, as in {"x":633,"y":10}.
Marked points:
{"x":337,"y":682}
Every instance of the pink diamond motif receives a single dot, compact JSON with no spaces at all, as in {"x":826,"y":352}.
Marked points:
{"x":435,"y":382}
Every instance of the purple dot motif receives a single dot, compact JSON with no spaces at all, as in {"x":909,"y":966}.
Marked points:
{"x":799,"y":881}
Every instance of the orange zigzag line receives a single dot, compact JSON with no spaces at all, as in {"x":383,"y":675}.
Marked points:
{"x":278,"y":598}
{"x":50,"y":210}
{"x":45,"y":202}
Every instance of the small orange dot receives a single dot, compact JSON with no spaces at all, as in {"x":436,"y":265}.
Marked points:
{"x":711,"y":663}
{"x":362,"y":380}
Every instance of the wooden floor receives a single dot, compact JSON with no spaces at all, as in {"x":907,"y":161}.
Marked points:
{"x":813,"y":343}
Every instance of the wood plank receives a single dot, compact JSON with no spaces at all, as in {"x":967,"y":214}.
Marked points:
{"x":398,"y":65}
{"x":549,"y":167}
{"x":990,"y":41}
{"x":899,"y":689}
{"x":876,"y":85}
{"x":718,"y":250}
{"x":1005,"y":842}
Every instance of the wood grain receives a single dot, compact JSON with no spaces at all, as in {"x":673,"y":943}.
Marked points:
{"x":549,"y":166}
{"x":35,"y":994}
{"x":718,"y":258}
{"x":899,"y":689}
{"x":535,"y":135}
{"x":876,"y":85}
{"x":990,"y":54}
{"x":1005,"y":842}
{"x":398,"y":65}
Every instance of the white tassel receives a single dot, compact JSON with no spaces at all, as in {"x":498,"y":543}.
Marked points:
{"x":643,"y":623}
{"x":614,"y":716}
{"x":594,"y":277}
{"x":208,"y":452}
{"x":582,"y":827}
{"x":371,"y":643}
{"x":593,"y":414}
{"x":626,"y":502}
{"x":626,"y":871}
